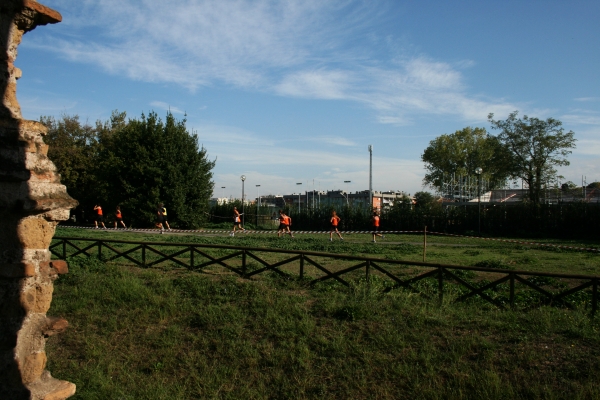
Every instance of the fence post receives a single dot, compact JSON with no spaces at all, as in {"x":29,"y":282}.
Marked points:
{"x":512,"y":290}
{"x":424,"y":242}
{"x":441,"y":284}
{"x":301,"y":266}
{"x":594,"y":297}
{"x":244,"y":263}
{"x":191,"y":257}
{"x":100,"y":250}
{"x":64,"y":246}
{"x":143,"y":256}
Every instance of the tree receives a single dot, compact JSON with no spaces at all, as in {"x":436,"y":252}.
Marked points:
{"x":424,"y":200}
{"x":73,"y":148}
{"x":536,"y":147}
{"x":460,"y":153}
{"x":148,"y":161}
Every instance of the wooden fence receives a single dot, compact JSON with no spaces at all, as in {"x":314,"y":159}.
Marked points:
{"x":503,"y":291}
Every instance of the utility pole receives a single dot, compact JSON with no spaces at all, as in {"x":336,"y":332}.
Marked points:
{"x":371,"y":178}
{"x":257,"y":203}
{"x":299,"y":209}
{"x":243,"y":178}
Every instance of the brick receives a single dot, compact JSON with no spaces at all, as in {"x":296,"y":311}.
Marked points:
{"x":60,"y":266}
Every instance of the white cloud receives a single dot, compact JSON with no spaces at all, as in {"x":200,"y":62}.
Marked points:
{"x":167,"y":107}
{"x":303,"y":48}
{"x":585,"y":119}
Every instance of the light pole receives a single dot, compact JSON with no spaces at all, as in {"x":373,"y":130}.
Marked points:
{"x":243,"y":178}
{"x":299,"y":183}
{"x":371,"y":178}
{"x":223,"y":192}
{"x":347,"y":203}
{"x":478,"y":171}
{"x":257,"y":203}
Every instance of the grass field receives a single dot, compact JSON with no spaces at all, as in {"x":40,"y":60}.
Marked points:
{"x":440,"y":249}
{"x":168,"y":333}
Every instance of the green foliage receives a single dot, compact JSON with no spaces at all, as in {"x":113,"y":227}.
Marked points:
{"x":134,"y":163}
{"x":73,"y":148}
{"x":169,"y":167}
{"x":461,"y":153}
{"x":536,"y":147}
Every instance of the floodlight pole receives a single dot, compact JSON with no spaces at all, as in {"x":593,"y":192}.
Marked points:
{"x":299,"y":209}
{"x":371,"y":177}
{"x":347,"y":203}
{"x":478,"y":171}
{"x":223,"y":192}
{"x":257,"y":203}
{"x":243,"y":178}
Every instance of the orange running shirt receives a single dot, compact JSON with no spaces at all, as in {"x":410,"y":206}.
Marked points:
{"x":376,"y":220}
{"x":335,"y":220}
{"x":99,"y":210}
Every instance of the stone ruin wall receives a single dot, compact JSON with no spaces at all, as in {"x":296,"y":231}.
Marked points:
{"x":32,"y":202}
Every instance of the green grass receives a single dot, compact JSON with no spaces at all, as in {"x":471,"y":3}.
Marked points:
{"x":440,"y":249}
{"x":168,"y":333}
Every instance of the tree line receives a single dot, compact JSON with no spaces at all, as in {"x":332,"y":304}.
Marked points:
{"x":527,"y":148}
{"x":135,"y":164}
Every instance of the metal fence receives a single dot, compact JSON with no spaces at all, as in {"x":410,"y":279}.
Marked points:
{"x":502,"y":288}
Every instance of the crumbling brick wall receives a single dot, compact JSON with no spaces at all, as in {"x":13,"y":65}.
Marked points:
{"x":32,"y":201}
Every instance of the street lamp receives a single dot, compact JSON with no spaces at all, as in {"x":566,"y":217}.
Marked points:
{"x":371,"y":177}
{"x":347,"y":204}
{"x":223,"y":193}
{"x":257,"y":204}
{"x":243,"y":178}
{"x":478,"y":171}
{"x":298,"y":183}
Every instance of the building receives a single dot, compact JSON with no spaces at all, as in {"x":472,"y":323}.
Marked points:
{"x":341,"y":198}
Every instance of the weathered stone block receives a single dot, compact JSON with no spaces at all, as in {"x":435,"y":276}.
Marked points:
{"x":35,"y":233}
{"x":33,"y":366}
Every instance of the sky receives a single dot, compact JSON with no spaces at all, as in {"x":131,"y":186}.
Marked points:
{"x":291,"y":93}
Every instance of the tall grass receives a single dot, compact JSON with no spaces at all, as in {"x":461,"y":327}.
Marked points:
{"x":174,"y":334}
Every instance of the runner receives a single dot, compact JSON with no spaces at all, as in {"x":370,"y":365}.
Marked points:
{"x":335,"y":220}
{"x":159,"y":218}
{"x":164,"y":213}
{"x":237,"y":221}
{"x":99,"y":217}
{"x":284,"y":224}
{"x":119,"y":218}
{"x":376,"y":226}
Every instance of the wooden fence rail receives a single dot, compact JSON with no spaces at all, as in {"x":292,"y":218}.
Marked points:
{"x":197,"y":257}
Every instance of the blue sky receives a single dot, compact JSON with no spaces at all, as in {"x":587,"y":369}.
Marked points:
{"x":294,"y":91}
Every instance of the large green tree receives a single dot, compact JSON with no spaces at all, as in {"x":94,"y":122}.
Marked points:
{"x":148,"y":160}
{"x":460,"y":153}
{"x":133,"y":163}
{"x":536,"y":146}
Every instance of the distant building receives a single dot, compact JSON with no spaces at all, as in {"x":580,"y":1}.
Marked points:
{"x":218,"y":200}
{"x":341,"y":198}
{"x":549,"y":196}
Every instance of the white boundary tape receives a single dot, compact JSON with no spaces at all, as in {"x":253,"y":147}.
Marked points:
{"x":326,"y":232}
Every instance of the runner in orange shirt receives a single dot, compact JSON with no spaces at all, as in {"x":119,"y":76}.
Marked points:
{"x":119,"y":218}
{"x":376,"y":226}
{"x":284,"y":224}
{"x":237,"y":221}
{"x":99,"y":217}
{"x":335,"y":220}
